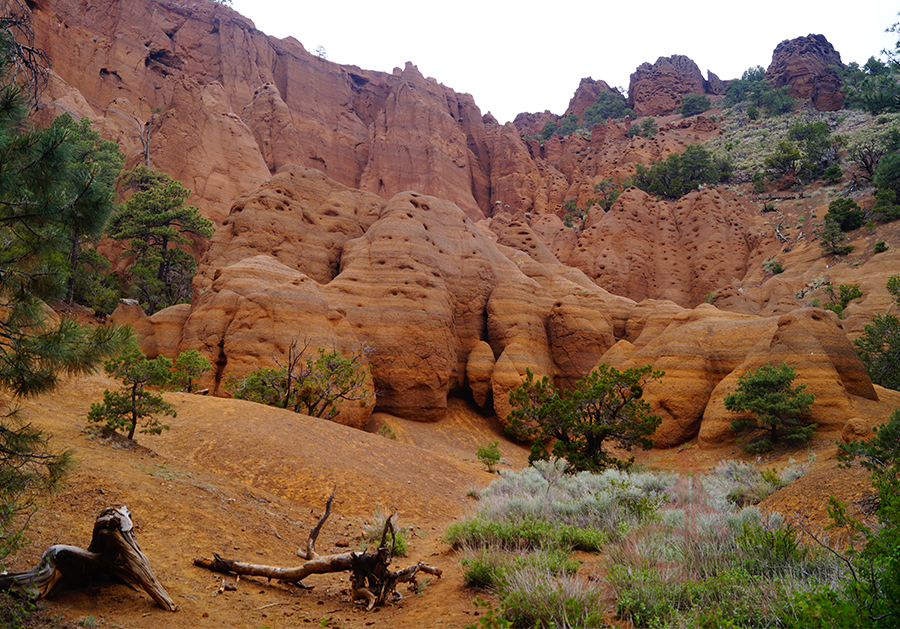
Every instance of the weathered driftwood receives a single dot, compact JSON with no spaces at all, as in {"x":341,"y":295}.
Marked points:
{"x":371,"y":579}
{"x":113,"y":552}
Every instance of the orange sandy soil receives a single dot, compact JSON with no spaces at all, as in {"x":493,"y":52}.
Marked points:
{"x":248,"y":482}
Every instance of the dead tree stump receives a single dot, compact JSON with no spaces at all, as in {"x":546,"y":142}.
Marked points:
{"x":113,"y":551}
{"x":371,"y":579}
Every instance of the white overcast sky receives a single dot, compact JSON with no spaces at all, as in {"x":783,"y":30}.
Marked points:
{"x":523,"y":56}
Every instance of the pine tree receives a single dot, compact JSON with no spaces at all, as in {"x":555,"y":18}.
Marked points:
{"x":605,"y":405}
{"x":41,"y":191}
{"x":155,"y":222}
{"x":134,"y":403}
{"x":766,"y":394}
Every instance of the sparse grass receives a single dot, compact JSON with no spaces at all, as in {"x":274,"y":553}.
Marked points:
{"x":740,"y":484}
{"x":748,"y":142}
{"x":490,"y":568}
{"x":704,"y":566}
{"x":539,"y":598}
{"x":681,"y":552}
{"x":374,"y":527}
{"x":387,"y":432}
{"x":162,"y":470}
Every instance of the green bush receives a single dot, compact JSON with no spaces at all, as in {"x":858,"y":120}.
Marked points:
{"x":693,"y":104}
{"x":880,"y":247}
{"x":808,"y":153}
{"x":753,"y":90}
{"x":680,"y":173}
{"x":832,"y":238}
{"x":887,"y":181}
{"x":93,"y":285}
{"x":646,"y":128}
{"x":489,"y":455}
{"x":886,"y":208}
{"x":871,"y":596}
{"x":187,"y":369}
{"x":759,"y":182}
{"x":846,"y":294}
{"x":609,"y":104}
{"x":846,"y":213}
{"x":605,"y":405}
{"x":773,"y":266}
{"x":311,"y":385}
{"x":879,"y":350}
{"x":874,"y":88}
{"x":549,"y":129}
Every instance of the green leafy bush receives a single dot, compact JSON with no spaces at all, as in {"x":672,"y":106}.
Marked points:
{"x":607,"y":192}
{"x":880,"y":247}
{"x":846,"y":294}
{"x":155,"y":221}
{"x":680,"y":173}
{"x":188,"y":368}
{"x":757,"y":94}
{"x":489,"y":455}
{"x":93,"y":284}
{"x":773,"y":266}
{"x":609,"y":104}
{"x":874,"y":87}
{"x":887,"y":182}
{"x":807,"y":154}
{"x":879,"y":350}
{"x":646,"y":128}
{"x":871,"y":595}
{"x":832,"y":238}
{"x":311,"y":385}
{"x":846,"y":213}
{"x":693,"y":104}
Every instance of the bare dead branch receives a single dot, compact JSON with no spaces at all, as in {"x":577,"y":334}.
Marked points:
{"x":371,"y":579}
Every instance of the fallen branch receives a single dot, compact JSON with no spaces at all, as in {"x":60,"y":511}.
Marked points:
{"x":113,"y":551}
{"x":371,"y":580}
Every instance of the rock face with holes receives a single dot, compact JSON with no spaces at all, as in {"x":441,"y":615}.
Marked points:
{"x":805,"y":64}
{"x":447,"y":307}
{"x":670,"y":250}
{"x":413,"y":278}
{"x":656,"y":89}
{"x":586,"y":94}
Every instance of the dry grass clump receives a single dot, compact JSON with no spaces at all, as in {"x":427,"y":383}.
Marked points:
{"x":700,"y":565}
{"x":682,"y":551}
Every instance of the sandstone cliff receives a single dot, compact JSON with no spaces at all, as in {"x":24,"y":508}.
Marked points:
{"x":451,"y":307}
{"x":359,"y":208}
{"x":807,"y":65}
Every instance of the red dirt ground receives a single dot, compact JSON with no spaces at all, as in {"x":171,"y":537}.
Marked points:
{"x":248,"y":482}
